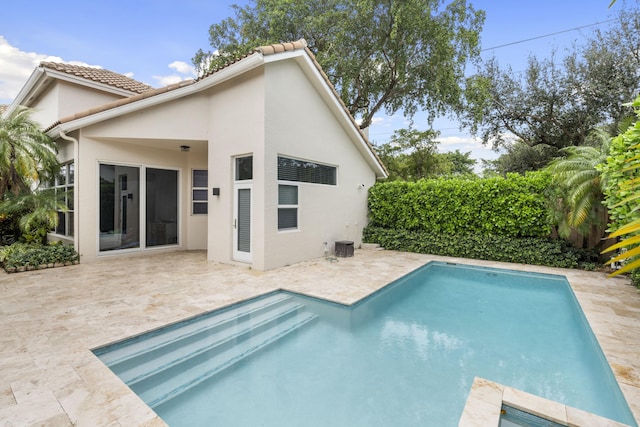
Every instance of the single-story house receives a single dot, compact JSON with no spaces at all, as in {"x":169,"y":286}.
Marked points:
{"x":257,"y":162}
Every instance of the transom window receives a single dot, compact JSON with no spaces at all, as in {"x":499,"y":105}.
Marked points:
{"x":244,"y":168}
{"x":305,"y":171}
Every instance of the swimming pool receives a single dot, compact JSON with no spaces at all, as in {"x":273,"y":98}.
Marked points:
{"x":406,"y":355}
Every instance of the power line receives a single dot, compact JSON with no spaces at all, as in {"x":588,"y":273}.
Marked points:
{"x":547,"y":35}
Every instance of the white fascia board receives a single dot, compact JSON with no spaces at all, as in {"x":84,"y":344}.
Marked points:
{"x":334,"y":104}
{"x":36,"y":78}
{"x":223,"y":75}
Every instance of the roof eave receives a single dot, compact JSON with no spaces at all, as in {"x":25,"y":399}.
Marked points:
{"x":35,"y":79}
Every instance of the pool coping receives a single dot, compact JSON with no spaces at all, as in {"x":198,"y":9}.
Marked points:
{"x":485,"y":400}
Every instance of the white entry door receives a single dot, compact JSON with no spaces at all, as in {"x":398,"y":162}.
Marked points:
{"x":242,"y":223}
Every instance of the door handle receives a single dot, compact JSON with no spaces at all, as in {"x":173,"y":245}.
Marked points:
{"x":235,"y":220}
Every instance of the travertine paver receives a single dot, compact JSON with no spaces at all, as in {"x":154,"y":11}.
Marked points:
{"x":51,"y":319}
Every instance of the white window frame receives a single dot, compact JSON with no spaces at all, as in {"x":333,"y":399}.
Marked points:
{"x":289,"y":206}
{"x":142,"y":213}
{"x":195,"y":202}
{"x":57,"y":186}
{"x":334,"y":167}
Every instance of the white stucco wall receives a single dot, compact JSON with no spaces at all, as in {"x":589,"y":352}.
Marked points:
{"x":300,"y":124}
{"x":75,"y":98}
{"x":62,"y":99}
{"x":236,"y":120}
{"x":46,"y":109}
{"x":181,"y":119}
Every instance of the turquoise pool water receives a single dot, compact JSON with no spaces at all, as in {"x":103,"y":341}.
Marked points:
{"x":406,"y":355}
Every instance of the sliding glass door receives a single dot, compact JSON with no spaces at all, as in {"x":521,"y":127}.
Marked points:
{"x":122,"y":200}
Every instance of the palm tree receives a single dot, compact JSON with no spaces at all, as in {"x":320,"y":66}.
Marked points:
{"x":581,"y":183}
{"x":27,"y":155}
{"x":27,"y":159}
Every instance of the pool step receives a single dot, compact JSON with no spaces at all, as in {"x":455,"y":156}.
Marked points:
{"x":179,"y":358}
{"x":121,"y":352}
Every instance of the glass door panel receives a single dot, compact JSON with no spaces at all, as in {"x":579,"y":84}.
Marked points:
{"x":162,"y":207}
{"x":119,"y":223}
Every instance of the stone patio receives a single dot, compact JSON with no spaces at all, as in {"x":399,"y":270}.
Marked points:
{"x":52,"y":318}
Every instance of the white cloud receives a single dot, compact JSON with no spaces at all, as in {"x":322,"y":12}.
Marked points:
{"x":16,"y":66}
{"x":184,"y":72}
{"x":183,"y":68}
{"x":168,"y":80}
{"x":377,"y":121}
{"x":459,"y":141}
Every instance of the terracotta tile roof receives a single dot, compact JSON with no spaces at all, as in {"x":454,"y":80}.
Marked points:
{"x":281,"y":47}
{"x":99,"y":75}
{"x":264,"y":50}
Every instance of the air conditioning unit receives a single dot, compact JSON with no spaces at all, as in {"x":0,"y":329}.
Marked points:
{"x":344,"y":248}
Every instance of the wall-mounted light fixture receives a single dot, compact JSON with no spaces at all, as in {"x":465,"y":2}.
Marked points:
{"x":215,"y":191}
{"x":185,"y":148}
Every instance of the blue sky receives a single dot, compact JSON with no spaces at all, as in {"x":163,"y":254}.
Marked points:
{"x":154,"y":40}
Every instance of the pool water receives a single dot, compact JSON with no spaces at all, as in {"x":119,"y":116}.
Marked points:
{"x":408,"y":354}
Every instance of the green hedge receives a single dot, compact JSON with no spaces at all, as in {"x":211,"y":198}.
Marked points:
{"x":512,"y":206}
{"x":526,"y":250}
{"x":21,"y":256}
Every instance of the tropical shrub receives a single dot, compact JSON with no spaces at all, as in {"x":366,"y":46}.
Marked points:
{"x":579,"y":184}
{"x":525,"y":250}
{"x":21,"y":256}
{"x":36,"y":213}
{"x":622,"y":174}
{"x":514,"y":206}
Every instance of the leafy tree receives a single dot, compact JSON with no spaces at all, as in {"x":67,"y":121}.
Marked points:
{"x":520,"y":158}
{"x":461,"y":163}
{"x":27,"y":155}
{"x":557,"y":103}
{"x":411,"y":155}
{"x":382,"y":55}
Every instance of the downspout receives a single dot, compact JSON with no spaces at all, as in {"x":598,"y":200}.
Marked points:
{"x":76,"y":184}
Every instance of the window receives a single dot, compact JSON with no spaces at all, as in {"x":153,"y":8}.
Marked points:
{"x":287,"y":207}
{"x":63,"y":188}
{"x":244,"y":168}
{"x":199,"y":192}
{"x":304,"y":171}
